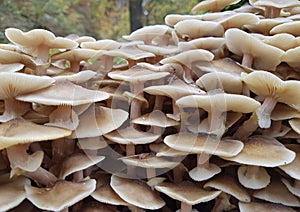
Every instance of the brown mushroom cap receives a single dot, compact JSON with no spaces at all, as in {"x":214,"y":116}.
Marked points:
{"x":260,"y":151}
{"x":253,"y":177}
{"x":61,"y":195}
{"x":263,"y":206}
{"x":20,"y":131}
{"x":12,"y":191}
{"x":186,"y":192}
{"x":276,"y":192}
{"x":230,"y":186}
{"x":293,"y":169}
{"x":130,"y":191}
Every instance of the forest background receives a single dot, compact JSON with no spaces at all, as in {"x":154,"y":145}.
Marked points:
{"x":101,"y":19}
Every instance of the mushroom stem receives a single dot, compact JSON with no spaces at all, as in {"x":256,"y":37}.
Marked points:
{"x":247,"y":60}
{"x":13,"y":109}
{"x":78,"y":176}
{"x":216,"y":121}
{"x":64,"y":117}
{"x":42,"y":55}
{"x":222,"y":203}
{"x":75,"y":66}
{"x":150,"y":173}
{"x":159,"y":100}
{"x":185,"y":207}
{"x":42,"y":176}
{"x":264,"y":112}
{"x":130,"y":150}
{"x":135,"y":107}
{"x":272,"y":12}
{"x":247,"y":128}
{"x":252,"y":171}
{"x":203,"y":160}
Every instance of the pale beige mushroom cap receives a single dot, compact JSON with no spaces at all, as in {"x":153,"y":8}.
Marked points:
{"x":15,"y":84}
{"x":186,"y":192}
{"x":77,"y":78}
{"x":263,"y":206}
{"x":105,"y":44}
{"x":288,"y":27}
{"x":61,"y":195}
{"x":12,"y":191}
{"x":203,"y":143}
{"x":260,"y":151}
{"x":20,"y":131}
{"x":230,"y":186}
{"x":98,"y":120}
{"x":228,"y":102}
{"x":64,"y":93}
{"x":136,"y":192}
{"x":265,"y":57}
{"x":238,"y":20}
{"x":266,"y":84}
{"x":212,"y":5}
{"x":194,"y":28}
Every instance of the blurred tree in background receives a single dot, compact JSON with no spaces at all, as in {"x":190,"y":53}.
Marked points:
{"x":98,"y":18}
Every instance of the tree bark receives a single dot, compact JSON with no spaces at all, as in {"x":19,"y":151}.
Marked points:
{"x":136,"y":14}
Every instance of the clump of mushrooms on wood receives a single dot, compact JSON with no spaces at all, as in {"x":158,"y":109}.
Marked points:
{"x":199,"y":114}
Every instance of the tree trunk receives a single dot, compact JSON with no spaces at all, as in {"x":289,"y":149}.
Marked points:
{"x":136,"y":14}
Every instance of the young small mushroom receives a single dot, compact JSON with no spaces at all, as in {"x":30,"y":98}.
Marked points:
{"x":187,"y":193}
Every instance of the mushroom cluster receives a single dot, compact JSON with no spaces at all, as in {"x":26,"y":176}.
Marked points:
{"x":199,"y":114}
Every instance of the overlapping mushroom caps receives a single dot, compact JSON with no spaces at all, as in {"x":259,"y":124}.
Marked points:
{"x":93,"y":122}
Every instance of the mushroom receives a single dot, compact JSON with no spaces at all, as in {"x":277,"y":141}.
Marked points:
{"x":12,"y":191}
{"x":274,"y":90}
{"x":16,"y":84}
{"x":38,"y":42}
{"x":203,"y":145}
{"x":130,"y":190}
{"x":212,"y":5}
{"x":187,"y":193}
{"x":64,"y":95}
{"x":254,"y":52}
{"x":292,"y":169}
{"x":263,"y":206}
{"x":56,"y":198}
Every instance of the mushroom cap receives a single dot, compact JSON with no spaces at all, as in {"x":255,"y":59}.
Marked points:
{"x":20,"y":131}
{"x":130,"y":135}
{"x":295,"y":124}
{"x":283,"y":112}
{"x":263,"y":206}
{"x":209,"y":43}
{"x":186,"y":192}
{"x":189,"y":57}
{"x":203,"y":143}
{"x":104,"y":193}
{"x":155,"y":118}
{"x":294,"y":189}
{"x":76,"y":78}
{"x":136,"y":74}
{"x":238,"y":20}
{"x":174,"y":90}
{"x":212,"y":5}
{"x":293,"y":169}
{"x":283,"y":41}
{"x":230,"y":186}
{"x":276,"y":192}
{"x":15,"y":84}
{"x":130,"y":190}
{"x":162,"y":150}
{"x":263,"y":26}
{"x":76,"y":55}
{"x":37,"y":37}
{"x":260,"y":151}
{"x":276,"y":3}
{"x":257,"y":180}
{"x":98,"y":120}
{"x":204,"y":173}
{"x":77,"y":162}
{"x":225,"y":102}
{"x":265,"y":56}
{"x":159,"y":50}
{"x":290,"y":57}
{"x":105,"y":44}
{"x":199,"y":28}
{"x":12,"y":191}
{"x":61,"y":195}
{"x":228,"y":82}
{"x":13,"y":67}
{"x":64,"y":93}
{"x":150,"y":161}
{"x":266,"y":84}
